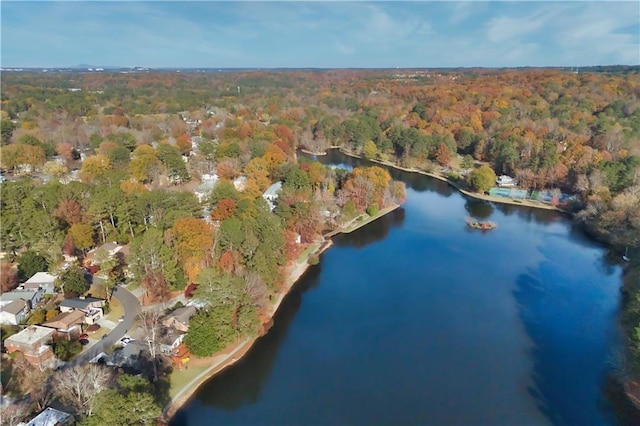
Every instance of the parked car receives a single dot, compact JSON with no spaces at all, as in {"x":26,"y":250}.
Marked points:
{"x":125,"y":340}
{"x":83,"y":337}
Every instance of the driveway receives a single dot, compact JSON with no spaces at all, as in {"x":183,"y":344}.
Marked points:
{"x":131,"y":307}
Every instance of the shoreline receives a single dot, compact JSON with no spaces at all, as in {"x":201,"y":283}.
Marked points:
{"x":232,"y":354}
{"x":306,"y":151}
{"x":501,"y":200}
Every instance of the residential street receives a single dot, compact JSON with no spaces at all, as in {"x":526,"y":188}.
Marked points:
{"x":131,"y":307}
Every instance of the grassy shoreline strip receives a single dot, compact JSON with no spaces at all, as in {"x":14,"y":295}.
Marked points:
{"x":526,"y":203}
{"x":234,"y":353}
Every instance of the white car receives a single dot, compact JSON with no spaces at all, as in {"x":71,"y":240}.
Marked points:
{"x":126,"y":340}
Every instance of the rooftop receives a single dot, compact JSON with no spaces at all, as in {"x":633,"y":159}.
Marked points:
{"x":17,"y":294}
{"x":79,"y":302}
{"x":41,"y":278}
{"x":31,"y":335}
{"x":65,"y":319}
{"x":111,"y":246}
{"x":272,"y":191}
{"x":14,"y":307}
{"x":49,"y":417}
{"x":182,"y":314}
{"x":206,"y":186}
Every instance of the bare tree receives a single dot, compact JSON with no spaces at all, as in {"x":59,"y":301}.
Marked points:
{"x":12,"y":414}
{"x":152,"y":330}
{"x":257,"y":290}
{"x":33,"y":382}
{"x":79,"y":385}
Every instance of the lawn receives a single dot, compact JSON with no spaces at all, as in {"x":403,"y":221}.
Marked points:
{"x":116,"y":311}
{"x":180,"y":378}
{"x":307,"y":252}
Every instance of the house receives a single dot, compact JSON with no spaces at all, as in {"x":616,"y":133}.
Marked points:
{"x":32,"y":342}
{"x":51,"y":417}
{"x":43,"y":280}
{"x":240,"y":182}
{"x":170,"y":341}
{"x":179,"y":319}
{"x":31,"y":296}
{"x":195,"y":142}
{"x":67,"y":322}
{"x":180,"y":356}
{"x":271,"y":194}
{"x":203,"y":191}
{"x":506,"y":181}
{"x":14,"y":312}
{"x":81,"y":303}
{"x":110,"y":249}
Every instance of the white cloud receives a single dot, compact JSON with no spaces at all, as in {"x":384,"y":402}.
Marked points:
{"x":601,"y":30}
{"x":507,"y":28}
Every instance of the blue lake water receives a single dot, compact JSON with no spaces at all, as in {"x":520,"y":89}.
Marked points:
{"x":418,"y":319}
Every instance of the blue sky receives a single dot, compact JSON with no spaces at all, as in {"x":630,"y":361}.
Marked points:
{"x":323,"y":34}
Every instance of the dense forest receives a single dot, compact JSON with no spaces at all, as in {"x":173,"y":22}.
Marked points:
{"x":89,"y":158}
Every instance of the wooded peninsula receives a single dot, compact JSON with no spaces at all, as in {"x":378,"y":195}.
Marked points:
{"x":186,"y":190}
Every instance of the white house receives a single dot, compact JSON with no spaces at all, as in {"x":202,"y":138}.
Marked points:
{"x":239,"y":182}
{"x":203,"y":191}
{"x":43,"y":280}
{"x":506,"y":181}
{"x":271,"y":194}
{"x":51,"y":416}
{"x":14,"y":312}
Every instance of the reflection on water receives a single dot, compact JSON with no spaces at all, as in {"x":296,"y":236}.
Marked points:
{"x":372,"y":232}
{"x":434,"y":324}
{"x":478,"y":209}
{"x":415,"y":181}
{"x":242,"y":384}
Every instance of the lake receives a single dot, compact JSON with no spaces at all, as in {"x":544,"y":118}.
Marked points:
{"x":418,"y":319}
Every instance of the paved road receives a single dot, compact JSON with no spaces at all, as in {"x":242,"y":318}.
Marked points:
{"x":131,"y":307}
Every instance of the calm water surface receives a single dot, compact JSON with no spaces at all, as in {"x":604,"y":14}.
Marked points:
{"x":417,"y":319}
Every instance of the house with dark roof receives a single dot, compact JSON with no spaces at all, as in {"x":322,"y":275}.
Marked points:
{"x":81,"y":303}
{"x":90,"y":307}
{"x":14,"y":312}
{"x":170,"y":340}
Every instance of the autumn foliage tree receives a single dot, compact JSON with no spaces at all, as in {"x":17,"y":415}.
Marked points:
{"x":223,"y":210}
{"x":192,"y":244}
{"x":155,"y":287}
{"x":8,"y":277}
{"x":443,"y":155}
{"x":69,"y":211}
{"x":482,"y":179}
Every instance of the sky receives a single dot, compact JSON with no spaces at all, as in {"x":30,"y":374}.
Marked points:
{"x":319,"y":34}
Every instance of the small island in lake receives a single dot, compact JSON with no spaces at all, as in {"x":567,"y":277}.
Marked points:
{"x":484,"y":225}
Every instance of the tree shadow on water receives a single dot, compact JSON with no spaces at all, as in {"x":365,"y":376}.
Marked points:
{"x":371,"y":232}
{"x":478,"y":209}
{"x":242,"y":383}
